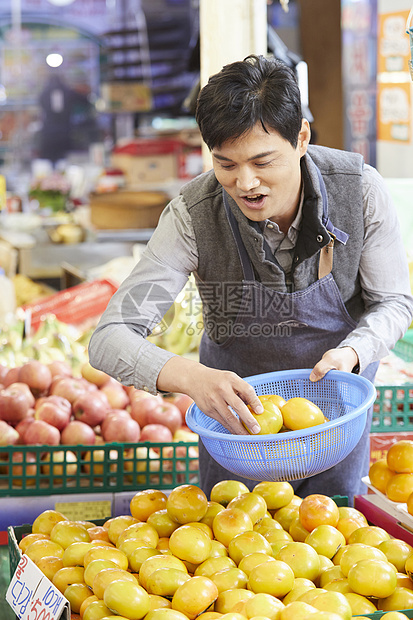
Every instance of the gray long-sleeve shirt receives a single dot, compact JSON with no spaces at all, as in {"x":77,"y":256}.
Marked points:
{"x":171,"y":255}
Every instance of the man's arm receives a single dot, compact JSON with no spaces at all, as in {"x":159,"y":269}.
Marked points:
{"x":119,"y":346}
{"x":384,"y":278}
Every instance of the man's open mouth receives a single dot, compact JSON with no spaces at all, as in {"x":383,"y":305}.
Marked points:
{"x":254,"y":199}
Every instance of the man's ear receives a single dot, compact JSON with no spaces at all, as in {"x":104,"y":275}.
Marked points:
{"x":304,"y":137}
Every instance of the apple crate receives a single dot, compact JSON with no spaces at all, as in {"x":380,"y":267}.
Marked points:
{"x":112,"y":467}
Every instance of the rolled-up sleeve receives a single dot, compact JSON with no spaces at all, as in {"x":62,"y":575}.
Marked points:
{"x":384,"y":276}
{"x":119,"y":346}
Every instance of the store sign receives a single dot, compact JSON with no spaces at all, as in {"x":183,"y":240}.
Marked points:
{"x":359,"y":76}
{"x":32,"y":596}
{"x":394,"y":85}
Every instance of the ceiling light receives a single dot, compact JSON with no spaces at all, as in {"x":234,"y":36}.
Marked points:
{"x":54,"y":60}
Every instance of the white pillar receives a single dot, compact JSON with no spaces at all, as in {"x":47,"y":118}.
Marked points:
{"x":230,"y":30}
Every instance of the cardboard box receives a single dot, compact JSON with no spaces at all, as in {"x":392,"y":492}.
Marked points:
{"x":127,"y":209}
{"x":148,"y":160}
{"x":146,"y":169}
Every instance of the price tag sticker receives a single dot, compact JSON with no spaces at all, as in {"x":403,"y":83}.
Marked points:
{"x":85,"y":510}
{"x":32,"y":596}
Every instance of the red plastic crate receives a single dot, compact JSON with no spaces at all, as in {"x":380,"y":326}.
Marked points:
{"x":75,"y":304}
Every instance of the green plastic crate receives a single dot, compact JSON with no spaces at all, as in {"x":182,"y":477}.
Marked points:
{"x":379,"y":614}
{"x":404,"y":347}
{"x":113,"y":467}
{"x":393,"y":409}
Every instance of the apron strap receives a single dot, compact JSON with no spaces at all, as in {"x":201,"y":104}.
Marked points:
{"x":338,"y":234}
{"x":242,"y":252}
{"x":325,"y":263}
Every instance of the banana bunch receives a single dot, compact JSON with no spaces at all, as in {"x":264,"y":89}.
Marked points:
{"x":181,"y":329}
{"x":28,"y":291}
{"x":52,"y":341}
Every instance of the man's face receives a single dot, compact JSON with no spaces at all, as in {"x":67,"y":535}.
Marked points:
{"x":261,"y":172}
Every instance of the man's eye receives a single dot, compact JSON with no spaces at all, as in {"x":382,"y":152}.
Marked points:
{"x":227,"y":166}
{"x":262,"y":164}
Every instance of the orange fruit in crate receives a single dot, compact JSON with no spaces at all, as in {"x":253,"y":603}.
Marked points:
{"x":128,"y":599}
{"x":400,"y":457}
{"x":67,"y":575}
{"x":400,"y":487}
{"x":118,"y":524}
{"x":49,"y":565}
{"x":45,"y":522}
{"x":76,"y":594}
{"x":276,"y":494}
{"x":186,"y":503}
{"x":27,"y":540}
{"x":195,"y":596}
{"x":67,"y":532}
{"x":396,"y":551}
{"x":317,"y":509}
{"x":162,"y":523}
{"x":41,"y":548}
{"x":371,"y":535}
{"x":225,"y":490}
{"x":347,"y":525}
{"x":276,"y":578}
{"x":372,"y":578}
{"x":253,"y":503}
{"x":146,"y":502}
{"x":108,"y":575}
{"x":230,"y":522}
{"x":402,"y":598}
{"x":380,"y":474}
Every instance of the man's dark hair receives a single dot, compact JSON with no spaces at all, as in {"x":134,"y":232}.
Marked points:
{"x":244,"y":93}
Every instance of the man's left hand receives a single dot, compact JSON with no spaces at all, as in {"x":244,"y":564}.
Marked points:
{"x":335,"y":359}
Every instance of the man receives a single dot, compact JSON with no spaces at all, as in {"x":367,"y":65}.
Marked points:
{"x":297,"y":255}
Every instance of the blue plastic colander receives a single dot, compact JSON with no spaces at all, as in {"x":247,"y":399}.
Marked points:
{"x":343,"y":397}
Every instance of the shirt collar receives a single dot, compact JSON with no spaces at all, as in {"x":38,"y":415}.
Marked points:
{"x":295,"y":225}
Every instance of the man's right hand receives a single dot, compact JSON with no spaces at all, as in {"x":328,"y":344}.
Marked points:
{"x":220,"y":394}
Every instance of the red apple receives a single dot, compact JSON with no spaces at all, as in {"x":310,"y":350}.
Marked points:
{"x":41,"y":433}
{"x":54,"y":413}
{"x":167,"y":414}
{"x":14,"y":405}
{"x":119,"y":413}
{"x":23,"y":387}
{"x":3,"y":372}
{"x":53,"y":398}
{"x":121,"y":429}
{"x":77,"y":432}
{"x":88,"y":385}
{"x":182,"y":401}
{"x":156,"y":432}
{"x":68,"y":387}
{"x":21,"y":426}
{"x":37,"y":376}
{"x":141,"y":403}
{"x":59,"y":368}
{"x":116,"y":395}
{"x":8,"y":435}
{"x":12,"y":376}
{"x":91,"y":408}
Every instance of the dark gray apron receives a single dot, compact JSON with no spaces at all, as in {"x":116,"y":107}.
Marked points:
{"x":286,"y":331}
